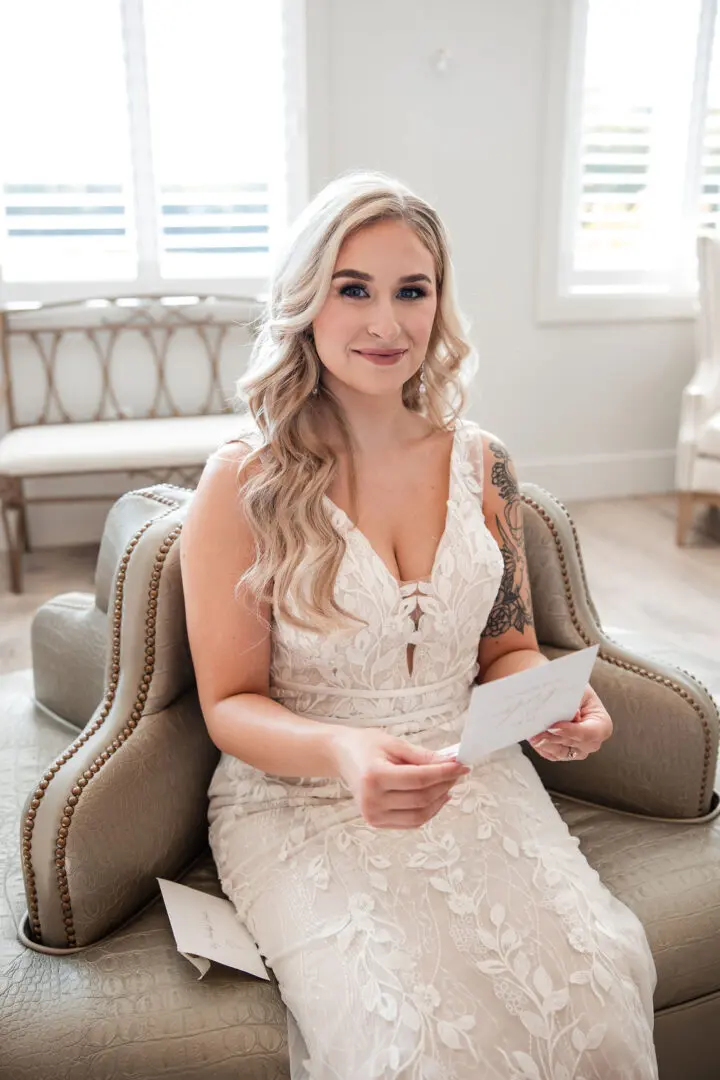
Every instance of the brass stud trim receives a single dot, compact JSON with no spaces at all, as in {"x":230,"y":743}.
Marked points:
{"x":608,"y":657}
{"x":82,"y":781}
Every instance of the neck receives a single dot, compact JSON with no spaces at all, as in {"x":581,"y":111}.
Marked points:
{"x":378,"y":422}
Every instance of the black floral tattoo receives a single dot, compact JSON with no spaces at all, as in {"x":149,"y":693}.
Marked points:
{"x":512,"y":608}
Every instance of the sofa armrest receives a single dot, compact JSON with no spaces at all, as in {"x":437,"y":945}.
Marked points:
{"x":126,"y":801}
{"x":661,"y":760}
{"x":69,"y":652}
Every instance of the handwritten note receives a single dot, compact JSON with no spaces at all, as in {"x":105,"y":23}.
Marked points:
{"x":207,"y":928}
{"x":506,"y":711}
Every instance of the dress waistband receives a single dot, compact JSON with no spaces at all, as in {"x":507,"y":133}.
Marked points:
{"x":370,"y":695}
{"x":392,"y":720}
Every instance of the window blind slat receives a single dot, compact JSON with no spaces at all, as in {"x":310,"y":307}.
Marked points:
{"x":198,"y":193}
{"x":633,"y":138}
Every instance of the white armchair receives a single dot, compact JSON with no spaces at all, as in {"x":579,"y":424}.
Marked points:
{"x":698,"y":451}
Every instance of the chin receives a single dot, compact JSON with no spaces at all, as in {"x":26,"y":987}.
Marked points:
{"x":383,"y":387}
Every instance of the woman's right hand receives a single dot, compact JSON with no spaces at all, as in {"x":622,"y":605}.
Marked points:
{"x":396,"y":785}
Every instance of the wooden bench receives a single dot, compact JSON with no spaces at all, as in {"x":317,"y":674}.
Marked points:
{"x":141,"y":386}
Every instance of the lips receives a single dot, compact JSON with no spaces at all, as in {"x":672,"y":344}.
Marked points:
{"x":381,"y":356}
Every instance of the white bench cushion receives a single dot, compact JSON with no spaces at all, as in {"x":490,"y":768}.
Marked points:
{"x":709,"y":441}
{"x":115,"y":445}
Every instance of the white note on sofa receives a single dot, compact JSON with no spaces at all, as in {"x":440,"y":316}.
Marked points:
{"x":506,"y":711}
{"x":208,"y":928}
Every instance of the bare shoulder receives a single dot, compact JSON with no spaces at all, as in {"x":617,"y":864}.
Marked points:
{"x":234,"y":453}
{"x":226,"y":468}
{"x":500,"y":481}
{"x":224,"y":622}
{"x":215,"y":521}
{"x":494,"y":452}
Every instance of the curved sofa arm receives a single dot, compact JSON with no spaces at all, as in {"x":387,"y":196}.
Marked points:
{"x":662,"y":757}
{"x":69,"y":635}
{"x":126,"y":801}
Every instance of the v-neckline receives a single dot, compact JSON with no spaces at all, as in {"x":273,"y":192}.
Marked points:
{"x":402,"y":585}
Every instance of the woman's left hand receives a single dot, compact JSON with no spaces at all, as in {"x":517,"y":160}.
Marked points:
{"x":574,"y":740}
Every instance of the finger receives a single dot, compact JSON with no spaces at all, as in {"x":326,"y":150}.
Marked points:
{"x":585,"y":730}
{"x":406,"y":753}
{"x":556,"y":751}
{"x":565,"y":740}
{"x":412,"y":777}
{"x":419,"y":799}
{"x":411,"y":819}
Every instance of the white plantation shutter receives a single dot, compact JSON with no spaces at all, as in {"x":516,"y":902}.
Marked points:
{"x":632,"y":223}
{"x":143,"y":142}
{"x":217,"y":130}
{"x":709,"y":205}
{"x":65,"y":200}
{"x":615,"y":166}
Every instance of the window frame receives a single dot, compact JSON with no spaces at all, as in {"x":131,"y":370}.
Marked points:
{"x":560,"y":181}
{"x":148,"y":280}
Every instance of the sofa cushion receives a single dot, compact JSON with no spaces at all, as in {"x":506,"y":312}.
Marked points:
{"x":668,"y":873}
{"x":114,"y":445}
{"x":130,"y":1005}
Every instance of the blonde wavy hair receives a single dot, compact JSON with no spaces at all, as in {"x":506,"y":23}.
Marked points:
{"x":290,"y":466}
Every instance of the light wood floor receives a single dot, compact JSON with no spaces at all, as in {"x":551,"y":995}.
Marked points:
{"x":641,"y":582}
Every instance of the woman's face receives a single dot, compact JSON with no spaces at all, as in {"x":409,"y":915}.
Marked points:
{"x":373,"y":331}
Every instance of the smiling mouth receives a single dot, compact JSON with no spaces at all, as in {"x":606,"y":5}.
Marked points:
{"x":381,"y":356}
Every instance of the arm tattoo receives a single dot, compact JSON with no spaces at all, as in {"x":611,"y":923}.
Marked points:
{"x":512,"y":608}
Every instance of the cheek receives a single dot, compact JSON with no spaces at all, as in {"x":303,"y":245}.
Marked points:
{"x":422,"y":322}
{"x":333,"y":325}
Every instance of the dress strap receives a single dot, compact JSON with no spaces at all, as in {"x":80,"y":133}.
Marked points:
{"x":470,"y":457}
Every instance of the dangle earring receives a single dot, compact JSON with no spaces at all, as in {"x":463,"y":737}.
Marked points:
{"x":311,"y":337}
{"x":422,"y":388}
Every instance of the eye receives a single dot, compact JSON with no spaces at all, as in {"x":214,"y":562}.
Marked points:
{"x":416,"y":290}
{"x":354,"y":292}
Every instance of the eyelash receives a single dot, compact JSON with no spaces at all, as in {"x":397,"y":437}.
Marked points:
{"x":421,"y":293}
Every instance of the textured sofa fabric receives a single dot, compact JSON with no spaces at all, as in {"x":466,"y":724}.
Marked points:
{"x":131,"y":1008}
{"x":69,"y":647}
{"x":103,"y":992}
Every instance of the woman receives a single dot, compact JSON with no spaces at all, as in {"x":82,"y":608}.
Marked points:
{"x":350,"y":570}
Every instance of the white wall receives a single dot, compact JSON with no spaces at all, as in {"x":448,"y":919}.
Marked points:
{"x":586,"y":410}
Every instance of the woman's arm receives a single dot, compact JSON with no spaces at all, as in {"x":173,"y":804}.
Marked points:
{"x":229,"y":635}
{"x":508,"y":642}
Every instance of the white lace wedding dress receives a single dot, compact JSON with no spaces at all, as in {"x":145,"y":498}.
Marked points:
{"x":479,"y":947}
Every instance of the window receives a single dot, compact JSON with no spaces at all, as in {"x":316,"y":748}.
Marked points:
{"x":633,"y":166}
{"x":145,"y":144}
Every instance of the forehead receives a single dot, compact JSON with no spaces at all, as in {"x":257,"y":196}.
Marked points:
{"x":392,"y":247}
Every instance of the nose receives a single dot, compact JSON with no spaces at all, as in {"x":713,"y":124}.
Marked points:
{"x":383,"y":322}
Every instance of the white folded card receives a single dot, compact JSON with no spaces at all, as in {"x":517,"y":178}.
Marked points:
{"x":208,"y":928}
{"x":506,"y":711}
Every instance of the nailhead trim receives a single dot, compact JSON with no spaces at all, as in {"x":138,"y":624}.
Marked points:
{"x":151,"y":493}
{"x":625,"y":665}
{"x":82,"y":781}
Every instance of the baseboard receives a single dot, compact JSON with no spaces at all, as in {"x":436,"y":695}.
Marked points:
{"x":603,"y":476}
{"x":583,"y":476}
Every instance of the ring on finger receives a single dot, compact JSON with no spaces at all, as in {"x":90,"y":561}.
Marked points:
{"x":571,"y":753}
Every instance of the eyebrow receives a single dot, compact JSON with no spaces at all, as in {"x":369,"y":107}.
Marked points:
{"x":360,"y":276}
